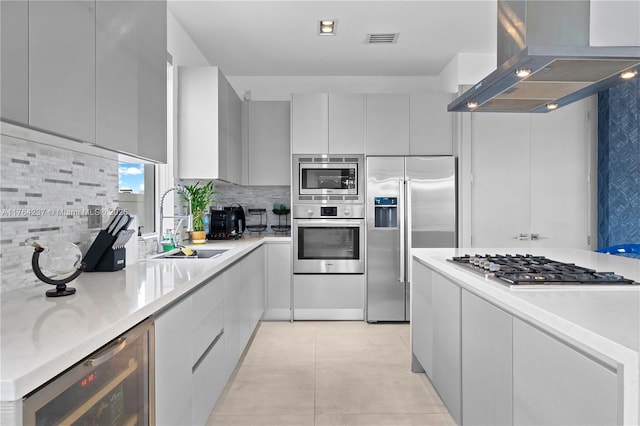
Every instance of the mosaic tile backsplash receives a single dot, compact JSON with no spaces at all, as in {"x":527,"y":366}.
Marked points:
{"x":619,"y":165}
{"x":49,"y":194}
{"x":253,"y":197}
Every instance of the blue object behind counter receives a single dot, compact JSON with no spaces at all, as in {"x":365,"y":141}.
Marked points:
{"x":627,"y":250}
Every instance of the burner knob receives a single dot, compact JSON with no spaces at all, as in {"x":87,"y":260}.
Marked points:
{"x":494,"y":267}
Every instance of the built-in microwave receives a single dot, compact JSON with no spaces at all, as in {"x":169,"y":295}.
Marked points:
{"x":328,"y":178}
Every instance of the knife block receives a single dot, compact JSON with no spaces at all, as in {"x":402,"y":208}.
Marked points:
{"x":102,"y":257}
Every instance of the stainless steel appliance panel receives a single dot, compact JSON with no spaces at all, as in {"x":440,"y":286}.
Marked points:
{"x":411,"y":203}
{"x":385,"y":245}
{"x":328,"y":246}
{"x":431,"y":195}
{"x":324,"y":178}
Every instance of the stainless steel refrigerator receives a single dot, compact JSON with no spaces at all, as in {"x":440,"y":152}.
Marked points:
{"x":411,"y":203}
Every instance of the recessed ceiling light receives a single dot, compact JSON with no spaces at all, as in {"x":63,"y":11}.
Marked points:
{"x":472,"y":104}
{"x":628,"y":74}
{"x":523,"y":72}
{"x":552,"y":106}
{"x":327,"y":26}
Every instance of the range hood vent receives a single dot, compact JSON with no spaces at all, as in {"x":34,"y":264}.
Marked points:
{"x":545,"y":60}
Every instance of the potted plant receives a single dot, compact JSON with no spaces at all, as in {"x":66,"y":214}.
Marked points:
{"x":201,"y":197}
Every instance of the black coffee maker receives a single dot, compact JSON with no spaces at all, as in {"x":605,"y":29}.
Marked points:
{"x":227,"y":224}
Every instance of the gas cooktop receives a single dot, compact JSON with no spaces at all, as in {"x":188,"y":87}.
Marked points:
{"x":526,"y":270}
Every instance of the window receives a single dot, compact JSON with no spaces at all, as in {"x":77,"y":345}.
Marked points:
{"x":133,"y":179}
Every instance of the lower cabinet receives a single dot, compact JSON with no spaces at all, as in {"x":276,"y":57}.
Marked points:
{"x":199,"y":341}
{"x":492,"y":368}
{"x":173,"y":348}
{"x":486,"y":363}
{"x":243,"y":304}
{"x":278,"y":285}
{"x":446,"y":375}
{"x":556,"y":384}
{"x":422,"y":319}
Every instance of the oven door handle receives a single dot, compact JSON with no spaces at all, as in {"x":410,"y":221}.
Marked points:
{"x":401,"y":215}
{"x":321,"y":223}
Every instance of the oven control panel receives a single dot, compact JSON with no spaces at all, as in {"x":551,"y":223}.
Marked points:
{"x":315,"y":211}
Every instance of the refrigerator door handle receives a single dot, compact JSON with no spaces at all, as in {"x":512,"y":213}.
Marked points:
{"x":401,"y":206}
{"x":409,"y":225}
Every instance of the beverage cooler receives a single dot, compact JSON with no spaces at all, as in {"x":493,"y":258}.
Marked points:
{"x":113,"y":386}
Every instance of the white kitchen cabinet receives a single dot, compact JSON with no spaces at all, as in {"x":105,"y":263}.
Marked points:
{"x":431,"y":125}
{"x":328,"y":123}
{"x":486,"y":363}
{"x":346,"y":123}
{"x":422,"y":318}
{"x":173,"y":354}
{"x":131,"y":77}
{"x":447,"y":373}
{"x":190,"y":347}
{"x":207,"y":326}
{"x":278,"y":285}
{"x":244,"y":304}
{"x":387,"y":124}
{"x":209,"y":126}
{"x":539,"y":165}
{"x":554,"y":383}
{"x":14,"y":61}
{"x":62,"y":68}
{"x":268,"y":135}
{"x":309,"y":123}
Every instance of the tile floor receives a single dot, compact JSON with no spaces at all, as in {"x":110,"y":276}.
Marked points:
{"x":329,"y":373}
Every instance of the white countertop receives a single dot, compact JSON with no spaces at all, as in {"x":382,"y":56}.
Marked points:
{"x":43,"y":336}
{"x":602,"y":320}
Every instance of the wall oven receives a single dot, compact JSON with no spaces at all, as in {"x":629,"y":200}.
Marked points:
{"x":328,"y":178}
{"x":328,"y":239}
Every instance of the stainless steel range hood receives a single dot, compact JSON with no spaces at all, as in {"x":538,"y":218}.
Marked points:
{"x":550,"y":39}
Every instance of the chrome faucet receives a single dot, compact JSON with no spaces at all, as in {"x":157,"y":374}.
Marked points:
{"x":189,"y":216}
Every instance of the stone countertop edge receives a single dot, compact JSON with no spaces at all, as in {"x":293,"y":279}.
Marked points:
{"x":533,"y":306}
{"x":109,"y":303}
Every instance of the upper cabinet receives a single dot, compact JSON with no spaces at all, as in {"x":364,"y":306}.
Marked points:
{"x":388,"y":124}
{"x":267,"y":133}
{"x":209,"y":126}
{"x":430,"y":124}
{"x":310,"y":123}
{"x":131,"y":77}
{"x":324,"y":123}
{"x":62,"y":68}
{"x":92,"y":71}
{"x":14,"y":52}
{"x":346,"y":123}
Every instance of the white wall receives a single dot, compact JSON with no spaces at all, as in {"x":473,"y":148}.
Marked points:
{"x":280,"y":88}
{"x":181,"y":47}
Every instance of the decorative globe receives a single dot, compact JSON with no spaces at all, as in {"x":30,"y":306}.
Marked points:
{"x":60,"y":260}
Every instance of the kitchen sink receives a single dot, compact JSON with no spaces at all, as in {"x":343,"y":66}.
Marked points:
{"x":197,"y":254}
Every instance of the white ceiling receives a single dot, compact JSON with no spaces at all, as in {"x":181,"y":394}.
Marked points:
{"x":280,"y":38}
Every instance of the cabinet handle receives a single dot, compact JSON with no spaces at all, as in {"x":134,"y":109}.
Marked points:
{"x":109,"y":352}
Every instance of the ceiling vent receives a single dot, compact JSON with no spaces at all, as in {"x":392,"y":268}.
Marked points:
{"x":382,"y":38}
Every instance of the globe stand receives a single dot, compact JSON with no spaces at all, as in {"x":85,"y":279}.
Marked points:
{"x":60,"y":290}
{"x":61,"y":285}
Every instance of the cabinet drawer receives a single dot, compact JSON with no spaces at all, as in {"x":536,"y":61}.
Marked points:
{"x":205,"y":332}
{"x":206,"y":299}
{"x":209,"y":379}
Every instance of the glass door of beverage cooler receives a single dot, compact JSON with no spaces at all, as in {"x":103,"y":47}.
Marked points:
{"x":113,"y":386}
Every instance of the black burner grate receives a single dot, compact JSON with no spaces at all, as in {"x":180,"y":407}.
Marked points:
{"x":537,"y":270}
